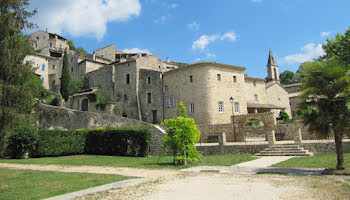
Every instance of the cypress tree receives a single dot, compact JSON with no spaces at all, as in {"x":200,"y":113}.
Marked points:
{"x":66,"y":77}
{"x":16,"y":92}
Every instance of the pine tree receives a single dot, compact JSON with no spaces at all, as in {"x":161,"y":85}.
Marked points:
{"x":66,"y":77}
{"x":16,"y":93}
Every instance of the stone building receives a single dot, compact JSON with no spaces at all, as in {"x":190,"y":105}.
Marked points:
{"x":293,"y":93}
{"x":51,"y":47}
{"x":154,"y":88}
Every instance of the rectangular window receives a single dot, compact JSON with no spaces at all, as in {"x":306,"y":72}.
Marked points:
{"x":234,"y":79}
{"x":166,"y":88}
{"x":191,"y":108}
{"x":149,"y":98}
{"x":71,"y":69}
{"x":149,"y":80}
{"x":127,"y":80}
{"x":256,"y":98}
{"x":42,"y":80}
{"x":53,"y":67}
{"x":191,"y":79}
{"x":218,"y":77}
{"x":221,"y":106}
{"x":37,"y":38}
{"x":236,"y":107}
{"x":50,"y":44}
{"x":43,"y":67}
{"x":171,"y":102}
{"x":254,"y":83}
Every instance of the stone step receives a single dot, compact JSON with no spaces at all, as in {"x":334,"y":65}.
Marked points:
{"x":284,"y":150}
{"x":297,"y":151}
{"x":283,"y":154}
{"x":285,"y":146}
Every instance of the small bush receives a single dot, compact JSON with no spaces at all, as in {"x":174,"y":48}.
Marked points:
{"x":22,"y":140}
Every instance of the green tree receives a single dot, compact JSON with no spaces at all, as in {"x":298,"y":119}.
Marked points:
{"x":338,"y":48}
{"x":287,"y":77}
{"x":66,"y":78}
{"x":16,"y":94}
{"x":326,"y":100}
{"x":82,"y":52}
{"x":182,"y":134}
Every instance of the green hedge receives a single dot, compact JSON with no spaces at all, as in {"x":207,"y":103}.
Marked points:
{"x":126,"y":141}
{"x":118,"y":141}
{"x":60,"y":143}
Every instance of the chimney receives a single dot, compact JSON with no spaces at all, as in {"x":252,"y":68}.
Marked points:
{"x":167,"y":59}
{"x":94,"y":56}
{"x":140,"y":55}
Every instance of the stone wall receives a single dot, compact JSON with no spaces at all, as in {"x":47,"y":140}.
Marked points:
{"x":315,"y":147}
{"x":51,"y":116}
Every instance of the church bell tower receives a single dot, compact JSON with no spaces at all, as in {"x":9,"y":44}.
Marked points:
{"x":272,"y":69}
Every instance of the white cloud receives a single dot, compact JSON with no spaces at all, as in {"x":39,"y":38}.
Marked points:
{"x":205,"y":40}
{"x":309,"y":52}
{"x":136,"y":50}
{"x":160,"y":20}
{"x":197,"y":59}
{"x":83,"y":17}
{"x":211,"y":55}
{"x":325,"y":34}
{"x":173,"y":5}
{"x":193,"y":26}
{"x":256,"y":1}
{"x":230,"y":36}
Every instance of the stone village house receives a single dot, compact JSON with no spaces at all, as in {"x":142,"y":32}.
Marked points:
{"x":153,"y":87}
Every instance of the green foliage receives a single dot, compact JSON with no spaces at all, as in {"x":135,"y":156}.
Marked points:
{"x":16,"y":93}
{"x":121,"y":108}
{"x":284,"y":117}
{"x":338,"y":48}
{"x":82,"y":52}
{"x":76,"y":84}
{"x":23,"y":139}
{"x":66,"y":77}
{"x":182,"y":110}
{"x":325,"y":96}
{"x":119,"y":141}
{"x":59,"y":143}
{"x":253,"y":122}
{"x":126,"y":141}
{"x":103,"y":98}
{"x":182,"y":134}
{"x":287,"y":77}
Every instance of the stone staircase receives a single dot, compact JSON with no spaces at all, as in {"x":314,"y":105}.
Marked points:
{"x":284,"y":150}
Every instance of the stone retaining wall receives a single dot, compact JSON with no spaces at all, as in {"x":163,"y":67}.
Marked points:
{"x":316,"y":148}
{"x":52,"y":116}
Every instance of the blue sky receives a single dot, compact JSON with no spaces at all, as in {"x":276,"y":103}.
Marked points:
{"x":236,"y":32}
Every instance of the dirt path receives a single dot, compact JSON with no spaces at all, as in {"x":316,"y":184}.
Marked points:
{"x":209,"y":186}
{"x":125,"y":171}
{"x":171,"y":185}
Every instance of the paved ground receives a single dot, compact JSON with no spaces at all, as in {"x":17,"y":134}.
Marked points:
{"x":260,"y":165}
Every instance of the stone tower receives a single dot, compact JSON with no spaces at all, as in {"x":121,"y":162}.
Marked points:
{"x":272,"y":69}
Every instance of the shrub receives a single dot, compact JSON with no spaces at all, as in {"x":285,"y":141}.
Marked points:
{"x":22,"y":140}
{"x":60,"y":143}
{"x":125,"y":141}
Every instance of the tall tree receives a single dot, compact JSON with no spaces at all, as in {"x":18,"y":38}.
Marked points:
{"x":16,"y":93}
{"x":66,"y":77}
{"x":287,"y":77}
{"x":339,"y":47}
{"x":326,"y":100}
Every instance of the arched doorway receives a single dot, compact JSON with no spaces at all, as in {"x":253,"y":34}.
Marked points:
{"x":85,"y":105}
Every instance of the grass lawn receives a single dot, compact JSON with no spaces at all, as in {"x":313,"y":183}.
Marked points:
{"x":29,"y":184}
{"x":326,"y":160}
{"x":139,"y":162}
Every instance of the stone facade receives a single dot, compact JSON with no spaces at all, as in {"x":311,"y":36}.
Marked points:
{"x":41,"y":40}
{"x":293,"y":93}
{"x":41,"y":65}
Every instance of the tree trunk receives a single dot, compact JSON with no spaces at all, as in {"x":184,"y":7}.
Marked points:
{"x":185,"y":161}
{"x":339,"y":149}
